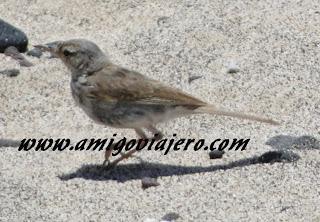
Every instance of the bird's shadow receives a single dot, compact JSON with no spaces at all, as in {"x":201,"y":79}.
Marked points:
{"x":125,"y":172}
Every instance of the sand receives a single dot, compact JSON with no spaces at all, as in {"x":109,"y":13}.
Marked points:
{"x":274,"y":44}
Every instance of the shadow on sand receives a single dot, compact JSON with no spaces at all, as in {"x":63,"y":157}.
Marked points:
{"x":9,"y":143}
{"x":282,"y":144}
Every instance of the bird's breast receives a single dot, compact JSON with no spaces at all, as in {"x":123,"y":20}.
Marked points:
{"x":80,"y":90}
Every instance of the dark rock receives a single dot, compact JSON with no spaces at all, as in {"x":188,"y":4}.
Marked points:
{"x":149,"y":182}
{"x":25,"y":63}
{"x":12,"y":36}
{"x":15,"y":54}
{"x":35,"y":52}
{"x":170,"y":217}
{"x":10,"y":72}
{"x":216,"y":154}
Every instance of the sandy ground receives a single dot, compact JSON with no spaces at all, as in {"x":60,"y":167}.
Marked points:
{"x":276,"y":45}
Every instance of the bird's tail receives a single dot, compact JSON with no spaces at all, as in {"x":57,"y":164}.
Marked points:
{"x":215,"y":111}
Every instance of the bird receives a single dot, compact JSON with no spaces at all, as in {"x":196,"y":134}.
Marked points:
{"x":118,"y":97}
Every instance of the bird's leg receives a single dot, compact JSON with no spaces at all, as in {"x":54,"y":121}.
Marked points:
{"x":157,"y":134}
{"x":142,"y":136}
{"x":107,"y":155}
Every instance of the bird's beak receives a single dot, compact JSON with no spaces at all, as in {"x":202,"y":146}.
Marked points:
{"x":52,"y":47}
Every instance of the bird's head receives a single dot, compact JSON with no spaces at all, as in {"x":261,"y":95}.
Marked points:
{"x":79,"y":55}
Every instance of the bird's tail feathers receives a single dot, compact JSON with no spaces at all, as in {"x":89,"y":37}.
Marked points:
{"x":210,"y":109}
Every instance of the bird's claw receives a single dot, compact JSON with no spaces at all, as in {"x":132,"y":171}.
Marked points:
{"x":108,"y":164}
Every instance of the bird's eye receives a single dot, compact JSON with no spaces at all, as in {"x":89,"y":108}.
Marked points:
{"x":67,"y":52}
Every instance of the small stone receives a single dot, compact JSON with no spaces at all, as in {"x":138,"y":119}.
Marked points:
{"x":25,"y":63}
{"x":12,"y":36}
{"x":192,"y":78}
{"x":35,"y":52}
{"x":10,"y":72}
{"x":15,"y":54}
{"x":170,"y":217}
{"x":149,"y":182}
{"x":233,"y":68}
{"x":216,"y":154}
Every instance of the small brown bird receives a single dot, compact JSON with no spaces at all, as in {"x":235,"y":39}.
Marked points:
{"x":122,"y":98}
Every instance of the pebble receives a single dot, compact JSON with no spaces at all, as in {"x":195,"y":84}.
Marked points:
{"x":216,"y":154}
{"x":10,"y":72}
{"x":170,"y":217}
{"x":12,"y":36}
{"x":25,"y":63}
{"x":147,"y":182}
{"x":35,"y":53}
{"x":16,"y":55}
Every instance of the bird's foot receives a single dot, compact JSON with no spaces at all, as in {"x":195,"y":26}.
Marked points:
{"x":108,"y":165}
{"x":106,"y":162}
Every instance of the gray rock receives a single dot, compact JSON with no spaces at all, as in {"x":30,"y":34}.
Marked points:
{"x":216,"y":154}
{"x":35,"y":52}
{"x":170,"y":217}
{"x":147,"y":182}
{"x":16,"y":55}
{"x":10,"y":72}
{"x":12,"y":36}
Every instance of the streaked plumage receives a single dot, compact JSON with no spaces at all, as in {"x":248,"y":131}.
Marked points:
{"x":118,"y":97}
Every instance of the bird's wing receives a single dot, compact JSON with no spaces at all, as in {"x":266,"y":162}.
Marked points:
{"x":114,"y":83}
